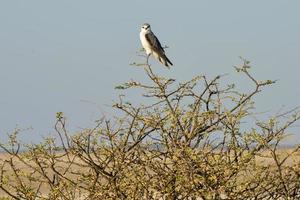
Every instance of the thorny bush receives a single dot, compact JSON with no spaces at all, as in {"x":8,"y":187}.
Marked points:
{"x":185,"y":141}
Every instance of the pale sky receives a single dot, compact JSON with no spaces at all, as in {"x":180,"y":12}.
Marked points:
{"x":68,"y":56}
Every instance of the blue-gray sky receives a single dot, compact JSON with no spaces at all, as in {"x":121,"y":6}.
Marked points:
{"x":68,"y":56}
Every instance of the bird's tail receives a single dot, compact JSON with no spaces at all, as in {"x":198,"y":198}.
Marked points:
{"x":165,"y":61}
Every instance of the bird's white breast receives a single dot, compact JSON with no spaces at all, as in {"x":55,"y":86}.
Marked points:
{"x":145,"y":43}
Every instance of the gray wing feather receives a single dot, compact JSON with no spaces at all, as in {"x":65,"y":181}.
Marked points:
{"x":154,"y":42}
{"x":156,"y":47}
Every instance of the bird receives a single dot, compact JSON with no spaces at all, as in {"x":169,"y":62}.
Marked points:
{"x":152,"y":45}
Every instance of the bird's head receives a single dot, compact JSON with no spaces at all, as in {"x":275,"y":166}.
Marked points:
{"x":145,"y":27}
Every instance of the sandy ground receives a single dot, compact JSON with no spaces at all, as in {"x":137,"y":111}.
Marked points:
{"x":265,"y":158}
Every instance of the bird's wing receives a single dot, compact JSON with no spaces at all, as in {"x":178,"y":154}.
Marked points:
{"x":154,"y":42}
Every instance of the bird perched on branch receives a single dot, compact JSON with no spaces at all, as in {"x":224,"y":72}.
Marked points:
{"x":152,"y":45}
